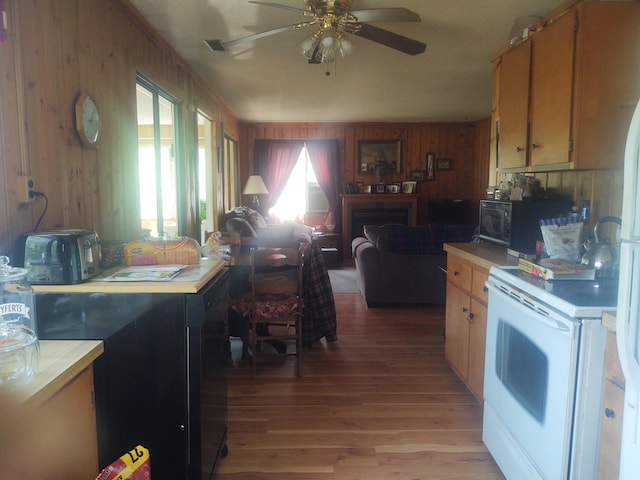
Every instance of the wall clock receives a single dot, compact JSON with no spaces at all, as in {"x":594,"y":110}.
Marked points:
{"x":87,"y":120}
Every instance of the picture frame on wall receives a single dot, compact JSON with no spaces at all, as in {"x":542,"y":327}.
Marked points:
{"x":380,"y":188}
{"x":444,"y":164}
{"x":374,"y":154}
{"x":418,"y":175}
{"x":430,"y":175}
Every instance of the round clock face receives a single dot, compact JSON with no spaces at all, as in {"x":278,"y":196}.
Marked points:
{"x":87,"y":120}
{"x":90,"y":120}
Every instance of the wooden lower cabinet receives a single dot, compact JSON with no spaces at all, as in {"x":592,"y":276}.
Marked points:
{"x":466,"y":322}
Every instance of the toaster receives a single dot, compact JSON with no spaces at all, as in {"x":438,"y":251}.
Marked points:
{"x":61,"y":257}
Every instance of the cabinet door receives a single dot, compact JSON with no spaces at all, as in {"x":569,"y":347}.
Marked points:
{"x":456,"y":345}
{"x":552,"y":92}
{"x":607,"y":82}
{"x":514,"y":107}
{"x":459,"y":273}
{"x":477,"y":337}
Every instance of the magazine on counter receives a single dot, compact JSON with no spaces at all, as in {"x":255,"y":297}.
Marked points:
{"x":146,"y":273}
{"x":557,"y":269}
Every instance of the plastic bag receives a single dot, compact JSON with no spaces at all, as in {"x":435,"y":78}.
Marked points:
{"x":562,"y":237}
{"x":133,"y":465}
{"x":221,"y":245}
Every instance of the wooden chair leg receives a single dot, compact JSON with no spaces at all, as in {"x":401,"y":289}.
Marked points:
{"x":254,"y":351}
{"x":298,"y":326}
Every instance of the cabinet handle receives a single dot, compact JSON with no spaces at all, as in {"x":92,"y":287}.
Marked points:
{"x":485,"y":289}
{"x":465,"y":309}
{"x":535,"y":145}
{"x":472,"y":317}
{"x":519,"y":149}
{"x":456,"y":273}
{"x":609,"y":413}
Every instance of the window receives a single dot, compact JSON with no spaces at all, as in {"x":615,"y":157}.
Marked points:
{"x":302,"y":184}
{"x":230,"y":170}
{"x":207,"y":176}
{"x":158,"y":160}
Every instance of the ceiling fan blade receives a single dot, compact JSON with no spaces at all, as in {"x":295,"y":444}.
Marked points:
{"x":219,"y":46}
{"x":390,"y":39}
{"x":301,"y":11}
{"x":393,"y":14}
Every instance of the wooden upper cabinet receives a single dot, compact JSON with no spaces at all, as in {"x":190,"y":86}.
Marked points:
{"x":551,"y":92}
{"x":578,"y":81}
{"x":607,"y":86}
{"x":514,"y":107}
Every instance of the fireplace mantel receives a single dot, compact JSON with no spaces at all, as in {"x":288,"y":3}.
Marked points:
{"x":375,"y":201}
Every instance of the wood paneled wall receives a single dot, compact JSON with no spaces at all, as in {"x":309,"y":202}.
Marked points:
{"x":55,"y":50}
{"x":603,"y":188}
{"x":466,"y":144}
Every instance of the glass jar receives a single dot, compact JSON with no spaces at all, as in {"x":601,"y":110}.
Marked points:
{"x":19,"y":347}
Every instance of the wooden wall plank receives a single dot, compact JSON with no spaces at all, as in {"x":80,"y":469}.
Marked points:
{"x":57,"y":48}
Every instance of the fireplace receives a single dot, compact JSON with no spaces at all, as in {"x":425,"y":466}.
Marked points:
{"x":375,"y":209}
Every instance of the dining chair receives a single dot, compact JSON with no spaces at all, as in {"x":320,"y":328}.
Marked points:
{"x":274,"y":306}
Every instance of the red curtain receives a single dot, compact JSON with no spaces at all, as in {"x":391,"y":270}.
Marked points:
{"x":274,"y":160}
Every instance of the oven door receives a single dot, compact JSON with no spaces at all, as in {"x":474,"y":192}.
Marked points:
{"x":530,"y":376}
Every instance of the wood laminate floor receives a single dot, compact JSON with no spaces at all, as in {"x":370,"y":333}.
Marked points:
{"x":380,"y":403}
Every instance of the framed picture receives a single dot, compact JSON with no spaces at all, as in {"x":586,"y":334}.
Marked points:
{"x":366,"y":189}
{"x":380,"y":188}
{"x":418,"y":175}
{"x":409,"y":187}
{"x":431,"y":167}
{"x":374,"y":154}
{"x":392,"y":188}
{"x":444,"y":164}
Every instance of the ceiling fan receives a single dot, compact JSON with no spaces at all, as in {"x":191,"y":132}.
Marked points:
{"x":334,"y":18}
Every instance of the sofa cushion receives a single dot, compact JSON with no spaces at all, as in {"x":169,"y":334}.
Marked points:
{"x":418,"y":239}
{"x":373,"y":233}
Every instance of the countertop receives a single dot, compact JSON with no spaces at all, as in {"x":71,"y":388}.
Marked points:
{"x":485,"y":255}
{"x":60,"y":362}
{"x":190,"y":280}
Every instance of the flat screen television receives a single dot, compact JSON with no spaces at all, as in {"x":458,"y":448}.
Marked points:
{"x":448,"y":211}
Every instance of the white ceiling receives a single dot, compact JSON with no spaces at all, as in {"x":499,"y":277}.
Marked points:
{"x":269,"y":81}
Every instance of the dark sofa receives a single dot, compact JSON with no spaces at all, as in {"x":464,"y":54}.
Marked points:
{"x":405,"y":264}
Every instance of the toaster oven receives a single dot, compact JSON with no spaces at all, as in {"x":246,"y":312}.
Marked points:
{"x":60,"y":257}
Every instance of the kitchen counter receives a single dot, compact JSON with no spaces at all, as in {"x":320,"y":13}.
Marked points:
{"x":190,"y":280}
{"x":485,"y":255}
{"x":60,"y":362}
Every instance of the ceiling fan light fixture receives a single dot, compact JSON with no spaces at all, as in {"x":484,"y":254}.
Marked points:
{"x":331,"y":44}
{"x":307,"y":46}
{"x":346,"y":47}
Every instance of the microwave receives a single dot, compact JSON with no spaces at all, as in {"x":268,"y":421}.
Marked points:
{"x":516,"y":224}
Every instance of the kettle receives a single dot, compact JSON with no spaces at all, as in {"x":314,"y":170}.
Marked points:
{"x":601,"y":255}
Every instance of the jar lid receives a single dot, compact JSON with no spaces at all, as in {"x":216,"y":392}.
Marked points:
{"x":9,"y":273}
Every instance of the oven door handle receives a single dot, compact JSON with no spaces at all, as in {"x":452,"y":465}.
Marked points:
{"x":539,"y":314}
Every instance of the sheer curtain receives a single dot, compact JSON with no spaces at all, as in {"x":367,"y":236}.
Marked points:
{"x":325,"y":160}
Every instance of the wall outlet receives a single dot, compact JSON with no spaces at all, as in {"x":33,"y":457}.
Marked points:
{"x":23,"y":188}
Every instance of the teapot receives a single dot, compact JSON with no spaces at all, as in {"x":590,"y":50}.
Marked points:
{"x":601,"y":255}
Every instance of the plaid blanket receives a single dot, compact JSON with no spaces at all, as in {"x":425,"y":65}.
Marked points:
{"x":320,"y":309}
{"x":420,"y":239}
